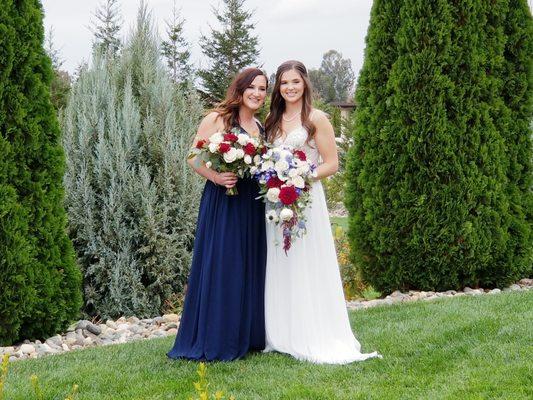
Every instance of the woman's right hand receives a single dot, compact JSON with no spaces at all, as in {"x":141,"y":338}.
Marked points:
{"x":226,"y":179}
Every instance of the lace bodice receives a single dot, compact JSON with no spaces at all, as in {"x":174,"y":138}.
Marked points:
{"x":297,"y":138}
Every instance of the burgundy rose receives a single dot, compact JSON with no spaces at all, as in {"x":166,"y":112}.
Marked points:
{"x":249,"y":149}
{"x":274,"y":182}
{"x":230,"y":137}
{"x":200,"y":143}
{"x":300,"y":154}
{"x":288,"y":195}
{"x":224,"y":147}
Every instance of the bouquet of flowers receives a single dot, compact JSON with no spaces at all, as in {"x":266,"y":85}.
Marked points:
{"x":232,"y":151}
{"x":284,"y":176}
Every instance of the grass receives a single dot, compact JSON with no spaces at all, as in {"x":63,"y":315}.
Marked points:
{"x":339,"y":221}
{"x":458,"y":348}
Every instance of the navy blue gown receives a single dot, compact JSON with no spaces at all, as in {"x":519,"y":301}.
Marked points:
{"x":223,"y":315}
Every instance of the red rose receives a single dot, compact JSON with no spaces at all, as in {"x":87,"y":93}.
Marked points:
{"x":300,"y":154}
{"x":224,"y":147}
{"x":200,"y":144}
{"x":249,"y":149}
{"x":274,"y":182}
{"x":288,"y":195}
{"x":230,"y":137}
{"x":263,"y":150}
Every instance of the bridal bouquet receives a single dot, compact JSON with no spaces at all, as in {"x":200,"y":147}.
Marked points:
{"x":233,"y":151}
{"x":284,"y":177}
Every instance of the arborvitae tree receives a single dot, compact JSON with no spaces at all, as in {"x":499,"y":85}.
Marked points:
{"x":176,"y":49}
{"x":513,"y":120}
{"x":60,"y":85}
{"x":131,"y":197}
{"x":40,"y":282}
{"x":428,"y":191}
{"x":229,"y":49}
{"x":106,"y":28}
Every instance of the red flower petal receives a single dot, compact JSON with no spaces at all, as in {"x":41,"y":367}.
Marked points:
{"x":288,"y":195}
{"x":224,"y":147}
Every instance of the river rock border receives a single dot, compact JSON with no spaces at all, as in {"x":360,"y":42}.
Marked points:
{"x":85,"y":333}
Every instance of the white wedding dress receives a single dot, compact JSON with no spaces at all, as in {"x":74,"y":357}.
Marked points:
{"x":305,"y":309}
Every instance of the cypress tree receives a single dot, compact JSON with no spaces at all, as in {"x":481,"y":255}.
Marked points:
{"x":40,"y":282}
{"x":428,"y":186}
{"x":131,"y":197}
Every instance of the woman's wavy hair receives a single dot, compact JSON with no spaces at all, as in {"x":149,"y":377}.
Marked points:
{"x":228,"y":109}
{"x":277,"y":105}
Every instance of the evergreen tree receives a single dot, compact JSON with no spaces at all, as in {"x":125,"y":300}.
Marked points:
{"x":40,"y":282}
{"x":428,"y":185}
{"x":176,"y":50}
{"x":60,"y":85}
{"x":334,"y":80}
{"x":131,"y":197}
{"x":107,"y":27}
{"x":229,"y":49}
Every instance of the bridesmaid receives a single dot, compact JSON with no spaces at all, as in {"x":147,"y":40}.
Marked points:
{"x":223,"y":315}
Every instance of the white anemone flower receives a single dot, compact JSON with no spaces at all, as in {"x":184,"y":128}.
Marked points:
{"x":272,"y":216}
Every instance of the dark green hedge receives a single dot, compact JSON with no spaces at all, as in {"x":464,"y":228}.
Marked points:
{"x":439,"y":176}
{"x":39,"y":280}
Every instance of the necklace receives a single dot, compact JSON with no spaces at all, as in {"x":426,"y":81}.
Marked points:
{"x":291,"y":118}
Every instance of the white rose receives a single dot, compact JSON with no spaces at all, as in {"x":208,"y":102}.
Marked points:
{"x":253,"y":141}
{"x":213,"y":147}
{"x":240,"y":153}
{"x":281,"y":166}
{"x":253,"y":170}
{"x":286,"y":214}
{"x":230,"y":155}
{"x":247,"y":159}
{"x":304,"y":168}
{"x":272,"y":216}
{"x":216,"y":138}
{"x":208,"y":164}
{"x":298,"y":182}
{"x":273,"y":195}
{"x":293,"y":172}
{"x":242,"y":139}
{"x":267,"y":165}
{"x":257,"y":159}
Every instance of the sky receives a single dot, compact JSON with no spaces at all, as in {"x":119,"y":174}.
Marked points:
{"x":287,"y":29}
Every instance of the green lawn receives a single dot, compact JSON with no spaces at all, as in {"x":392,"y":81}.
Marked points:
{"x":339,"y":221}
{"x":459,"y":348}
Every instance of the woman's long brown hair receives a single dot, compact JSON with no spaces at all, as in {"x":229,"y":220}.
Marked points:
{"x":228,"y":109}
{"x":277,"y":105}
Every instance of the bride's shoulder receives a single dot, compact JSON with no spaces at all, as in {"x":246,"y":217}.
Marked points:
{"x":317,"y":115}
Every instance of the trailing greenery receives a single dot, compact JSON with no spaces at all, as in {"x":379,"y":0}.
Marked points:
{"x":131,"y":197}
{"x":436,"y":200}
{"x":39,"y":279}
{"x":460,"y":348}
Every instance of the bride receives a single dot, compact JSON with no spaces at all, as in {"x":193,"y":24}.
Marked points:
{"x":305,"y":310}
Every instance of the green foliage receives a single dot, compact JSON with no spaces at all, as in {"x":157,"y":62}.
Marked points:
{"x":334,"y":80}
{"x":176,"y":50}
{"x":131,"y":197}
{"x":60,"y":85}
{"x":201,"y":386}
{"x":106,"y":28}
{"x":429,"y":174}
{"x":40,"y":282}
{"x":229,"y":49}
